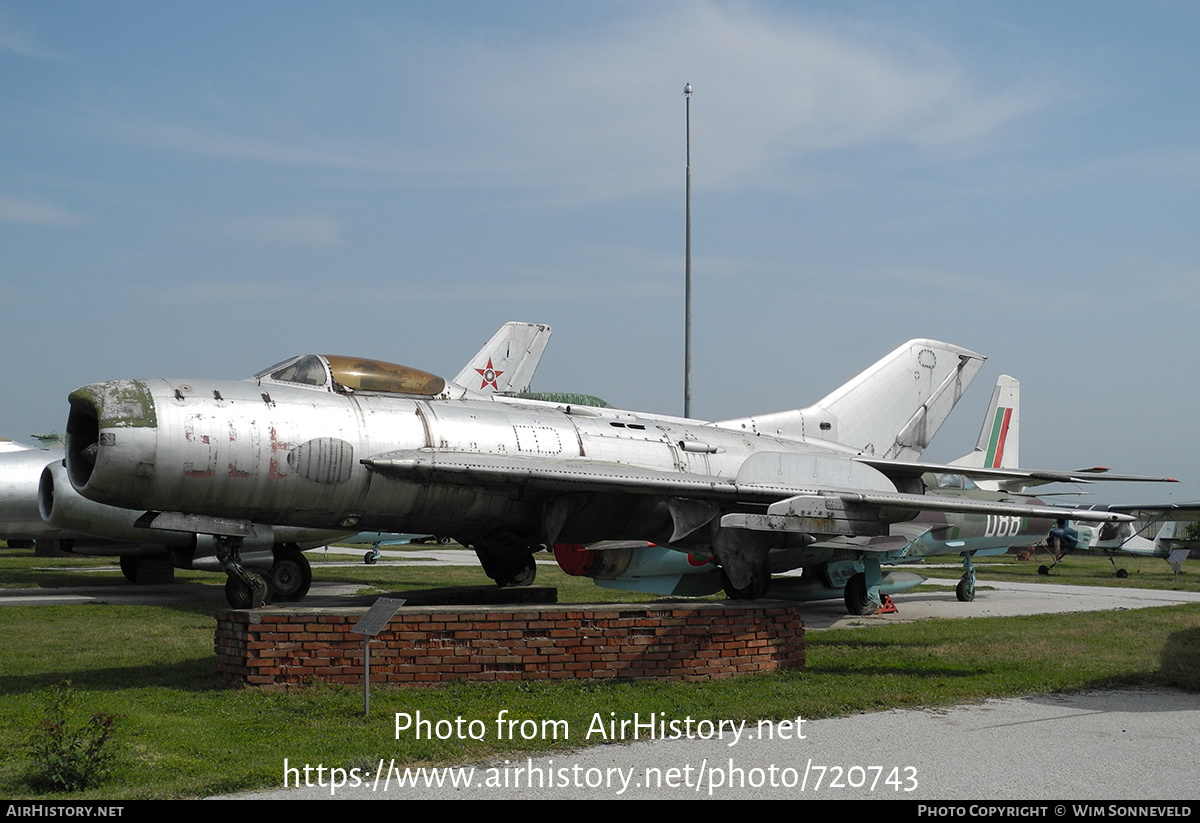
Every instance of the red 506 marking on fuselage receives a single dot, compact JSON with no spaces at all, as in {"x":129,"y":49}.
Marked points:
{"x":277,"y":446}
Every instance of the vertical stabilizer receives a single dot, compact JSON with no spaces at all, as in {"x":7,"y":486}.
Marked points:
{"x":1166,"y":536}
{"x":507,"y":362}
{"x":891,"y":410}
{"x":999,"y":445}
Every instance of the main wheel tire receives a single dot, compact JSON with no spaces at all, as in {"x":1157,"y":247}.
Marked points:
{"x":1043,"y":570}
{"x":965,"y":591}
{"x":522,"y":571}
{"x":147,"y":570}
{"x":508,"y":572}
{"x":370,"y":559}
{"x":129,"y":567}
{"x":757,"y":589}
{"x":855,"y":596}
{"x":1122,"y":574}
{"x":291,"y":576}
{"x":241,"y":596}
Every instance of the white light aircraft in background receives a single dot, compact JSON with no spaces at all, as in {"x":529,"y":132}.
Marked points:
{"x":1127,"y":538}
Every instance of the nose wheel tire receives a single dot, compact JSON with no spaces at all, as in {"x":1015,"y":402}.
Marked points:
{"x":522,"y":571}
{"x":965,"y":590}
{"x":241,"y":596}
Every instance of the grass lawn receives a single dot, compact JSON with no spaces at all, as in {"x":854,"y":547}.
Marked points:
{"x":180,"y":733}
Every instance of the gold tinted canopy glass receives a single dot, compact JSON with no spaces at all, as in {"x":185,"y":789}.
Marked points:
{"x":359,"y":374}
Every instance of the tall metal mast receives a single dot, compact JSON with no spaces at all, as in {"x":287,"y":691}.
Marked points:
{"x":687,"y":262}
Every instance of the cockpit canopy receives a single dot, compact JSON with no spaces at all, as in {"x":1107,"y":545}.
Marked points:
{"x":958,"y":482}
{"x":335,"y":372}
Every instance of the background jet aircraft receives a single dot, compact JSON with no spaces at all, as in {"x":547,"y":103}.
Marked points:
{"x":998,"y":447}
{"x":20,"y":467}
{"x":79,"y":526}
{"x":376,"y":539}
{"x":506,"y":363}
{"x":829,"y":565}
{"x":329,"y":442}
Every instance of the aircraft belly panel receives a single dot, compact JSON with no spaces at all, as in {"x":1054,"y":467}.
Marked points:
{"x":448,"y":510}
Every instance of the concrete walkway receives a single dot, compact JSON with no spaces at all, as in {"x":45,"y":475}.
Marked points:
{"x":1112,"y":745}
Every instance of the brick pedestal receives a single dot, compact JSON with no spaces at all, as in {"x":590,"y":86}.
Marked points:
{"x":280,"y":647}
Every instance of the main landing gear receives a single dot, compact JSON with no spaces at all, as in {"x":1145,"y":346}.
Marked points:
{"x":248,"y":590}
{"x":1045,"y":570}
{"x":855,"y":596}
{"x":861,"y":594}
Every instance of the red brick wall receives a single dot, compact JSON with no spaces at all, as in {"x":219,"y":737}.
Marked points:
{"x":429,"y":645}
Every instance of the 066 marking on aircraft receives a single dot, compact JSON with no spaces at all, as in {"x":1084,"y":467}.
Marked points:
{"x":1000,"y":525}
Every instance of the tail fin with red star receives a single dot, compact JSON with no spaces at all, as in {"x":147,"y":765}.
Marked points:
{"x":507,"y":362}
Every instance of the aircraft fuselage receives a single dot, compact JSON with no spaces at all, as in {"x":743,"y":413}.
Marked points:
{"x":291,"y":456}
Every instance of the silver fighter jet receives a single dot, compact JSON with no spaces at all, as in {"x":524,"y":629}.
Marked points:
{"x":37,"y":502}
{"x":326,"y":441}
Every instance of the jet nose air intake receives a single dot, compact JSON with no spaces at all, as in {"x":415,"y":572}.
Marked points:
{"x":108,"y":430}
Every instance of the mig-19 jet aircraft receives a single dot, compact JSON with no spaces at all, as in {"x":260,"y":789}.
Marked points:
{"x":340,"y":442}
{"x":37,"y":502}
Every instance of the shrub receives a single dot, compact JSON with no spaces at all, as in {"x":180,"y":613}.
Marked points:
{"x":67,"y":758}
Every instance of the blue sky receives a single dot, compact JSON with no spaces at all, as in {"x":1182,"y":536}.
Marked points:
{"x":200,"y":189}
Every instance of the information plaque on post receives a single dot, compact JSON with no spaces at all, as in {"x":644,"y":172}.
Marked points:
{"x":371,"y":624}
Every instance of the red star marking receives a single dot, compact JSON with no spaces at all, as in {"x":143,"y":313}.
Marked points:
{"x":489,"y":375}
